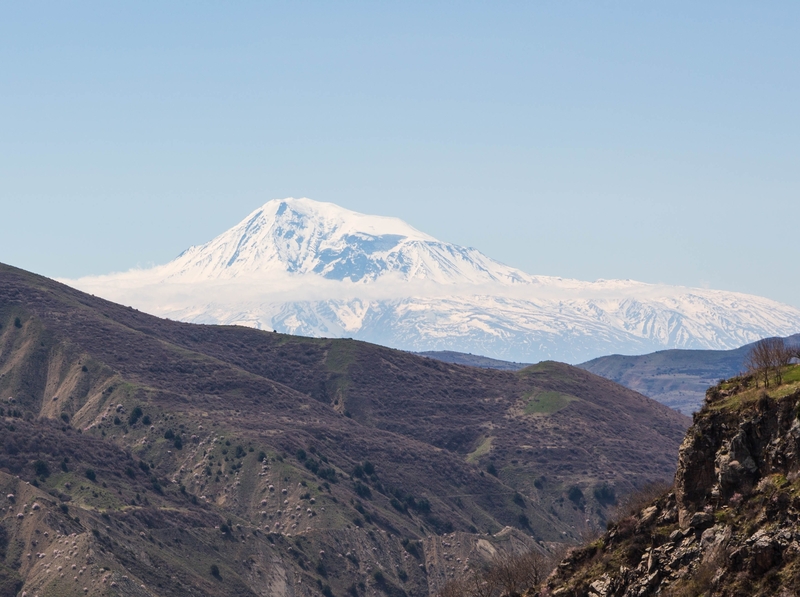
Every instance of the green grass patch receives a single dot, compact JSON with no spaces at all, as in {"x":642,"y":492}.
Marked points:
{"x":552,"y":369}
{"x":340,"y":356}
{"x":547,"y":403}
{"x":482,"y":449}
{"x":792,"y":374}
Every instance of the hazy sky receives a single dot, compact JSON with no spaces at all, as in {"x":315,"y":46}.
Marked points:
{"x":657,"y":141}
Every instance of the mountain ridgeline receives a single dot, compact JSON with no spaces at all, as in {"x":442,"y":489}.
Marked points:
{"x":677,"y":378}
{"x":304,"y":267}
{"x":143,"y":456}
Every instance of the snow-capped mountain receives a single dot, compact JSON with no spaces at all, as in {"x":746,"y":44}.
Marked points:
{"x":304,"y":267}
{"x":301,"y":237}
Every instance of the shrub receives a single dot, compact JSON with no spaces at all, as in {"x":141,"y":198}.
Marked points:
{"x":90,"y":474}
{"x":605,"y":494}
{"x":169,"y":434}
{"x":423,"y":506}
{"x":135,"y":415}
{"x":575,"y":494}
{"x":117,"y":421}
{"x":634,"y":502}
{"x":146,"y":420}
{"x":362,"y":490}
{"x":41,"y":469}
{"x":240,"y":452}
{"x":261,"y":456}
{"x":301,"y":454}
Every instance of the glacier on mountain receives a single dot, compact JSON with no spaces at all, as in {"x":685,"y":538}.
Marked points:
{"x":304,"y":267}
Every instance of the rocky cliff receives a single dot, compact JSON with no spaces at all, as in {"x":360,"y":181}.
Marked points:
{"x":731,"y":523}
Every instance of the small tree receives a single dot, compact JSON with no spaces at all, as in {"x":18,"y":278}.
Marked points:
{"x":768,"y":356}
{"x":517,"y":573}
{"x":507,"y":575}
{"x":781,"y":356}
{"x":455,"y":588}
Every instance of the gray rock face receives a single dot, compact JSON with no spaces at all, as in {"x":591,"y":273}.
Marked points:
{"x":701,"y":520}
{"x":731,"y":526}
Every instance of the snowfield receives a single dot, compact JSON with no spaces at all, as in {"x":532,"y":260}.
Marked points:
{"x":303,"y":267}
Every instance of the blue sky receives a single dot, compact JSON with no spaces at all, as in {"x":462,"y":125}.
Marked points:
{"x":657,"y":141}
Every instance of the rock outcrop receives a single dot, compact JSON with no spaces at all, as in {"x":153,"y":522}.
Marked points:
{"x":731,"y":523}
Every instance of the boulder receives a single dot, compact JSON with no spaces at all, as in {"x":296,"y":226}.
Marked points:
{"x":701,"y":520}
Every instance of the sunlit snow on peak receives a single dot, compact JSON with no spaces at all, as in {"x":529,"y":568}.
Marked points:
{"x":305,"y":237}
{"x":305,"y":267}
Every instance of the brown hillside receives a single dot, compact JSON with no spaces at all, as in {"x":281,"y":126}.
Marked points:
{"x":236,"y":416}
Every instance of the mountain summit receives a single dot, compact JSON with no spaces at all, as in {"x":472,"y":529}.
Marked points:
{"x":305,"y":267}
{"x":301,"y":236}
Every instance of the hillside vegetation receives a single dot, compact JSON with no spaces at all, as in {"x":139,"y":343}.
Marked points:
{"x":165,"y":458}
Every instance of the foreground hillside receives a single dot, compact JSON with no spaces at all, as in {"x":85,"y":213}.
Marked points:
{"x":677,"y":378}
{"x":731,"y":524}
{"x":160,"y":457}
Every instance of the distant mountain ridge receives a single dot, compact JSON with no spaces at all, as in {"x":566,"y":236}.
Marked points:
{"x":677,"y":378}
{"x":303,"y":267}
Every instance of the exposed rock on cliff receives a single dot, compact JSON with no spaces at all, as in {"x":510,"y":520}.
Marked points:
{"x":731,"y":524}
